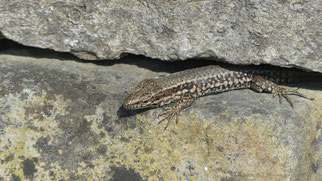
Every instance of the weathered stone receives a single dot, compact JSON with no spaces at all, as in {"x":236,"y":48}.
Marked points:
{"x":283,"y":33}
{"x":62,"y":119}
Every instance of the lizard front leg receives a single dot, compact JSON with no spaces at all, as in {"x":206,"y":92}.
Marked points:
{"x":260,"y":84}
{"x":172,"y":111}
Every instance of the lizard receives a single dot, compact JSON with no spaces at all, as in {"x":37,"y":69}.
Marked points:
{"x":182,"y":88}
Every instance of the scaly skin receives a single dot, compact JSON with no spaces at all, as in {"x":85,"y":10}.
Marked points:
{"x":185,"y":86}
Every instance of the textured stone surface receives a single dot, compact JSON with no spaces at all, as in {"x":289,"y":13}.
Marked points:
{"x":284,"y":33}
{"x":62,"y":119}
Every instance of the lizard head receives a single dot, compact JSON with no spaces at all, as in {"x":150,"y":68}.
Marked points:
{"x":143,"y":95}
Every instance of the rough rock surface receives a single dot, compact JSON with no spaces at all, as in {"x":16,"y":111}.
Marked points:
{"x":283,"y":33}
{"x":62,"y":119}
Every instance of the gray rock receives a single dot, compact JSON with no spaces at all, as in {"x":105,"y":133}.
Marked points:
{"x":62,"y":119}
{"x":283,"y":33}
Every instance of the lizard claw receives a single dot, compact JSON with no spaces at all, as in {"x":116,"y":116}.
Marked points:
{"x":284,"y":92}
{"x":168,"y":114}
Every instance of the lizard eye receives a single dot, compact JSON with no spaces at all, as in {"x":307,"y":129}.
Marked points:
{"x":147,"y":95}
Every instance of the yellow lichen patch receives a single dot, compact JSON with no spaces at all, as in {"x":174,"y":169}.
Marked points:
{"x":19,"y":144}
{"x":60,"y":173}
{"x":101,"y":167}
{"x":24,"y":128}
{"x":251,"y":148}
{"x":45,"y":118}
{"x":213,"y":150}
{"x":95,"y":120}
{"x":155,"y":153}
{"x":16,"y":106}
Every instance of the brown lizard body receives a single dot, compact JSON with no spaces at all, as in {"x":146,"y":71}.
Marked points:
{"x":183,"y":87}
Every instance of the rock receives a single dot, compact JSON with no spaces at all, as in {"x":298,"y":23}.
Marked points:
{"x":283,"y":33}
{"x":62,"y":119}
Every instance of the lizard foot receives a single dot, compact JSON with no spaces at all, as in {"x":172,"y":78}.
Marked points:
{"x":168,"y":114}
{"x":285,"y":92}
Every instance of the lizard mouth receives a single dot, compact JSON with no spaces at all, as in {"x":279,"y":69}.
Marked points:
{"x":129,"y":104}
{"x":132,"y":104}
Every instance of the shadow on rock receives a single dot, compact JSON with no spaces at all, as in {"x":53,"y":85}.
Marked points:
{"x":123,"y":112}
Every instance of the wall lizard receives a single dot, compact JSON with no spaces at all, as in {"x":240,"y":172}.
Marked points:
{"x":185,"y":86}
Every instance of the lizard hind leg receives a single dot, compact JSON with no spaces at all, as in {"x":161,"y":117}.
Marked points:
{"x":260,"y":84}
{"x":174,"y":111}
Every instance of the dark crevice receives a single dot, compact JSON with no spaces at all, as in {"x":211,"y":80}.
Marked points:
{"x":13,"y":48}
{"x":1,"y":36}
